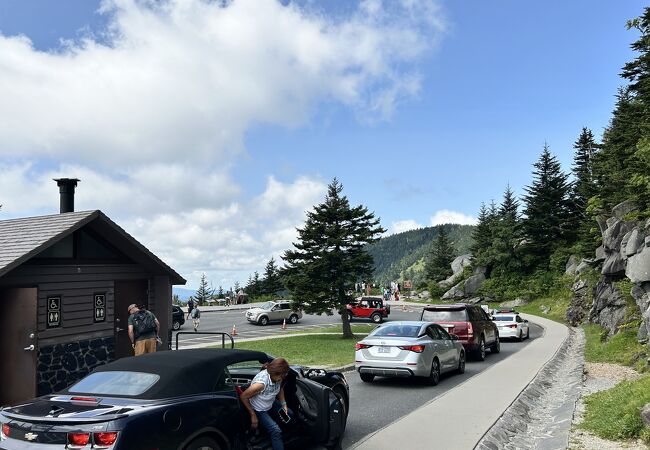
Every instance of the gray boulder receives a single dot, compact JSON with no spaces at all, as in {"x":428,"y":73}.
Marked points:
{"x":571,"y":265}
{"x":475,"y":300}
{"x":473,"y":284}
{"x":424,"y":294}
{"x":638,"y":266}
{"x":614,"y":234}
{"x":579,"y":307}
{"x":600,"y":254}
{"x":455,"y":292}
{"x":584,"y":265}
{"x":460,"y":262}
{"x":634,"y":243}
{"x":513,"y":303}
{"x":453,"y":279}
{"x":608,"y":308}
{"x":645,"y":415}
{"x":614,"y":264}
{"x":624,"y":208}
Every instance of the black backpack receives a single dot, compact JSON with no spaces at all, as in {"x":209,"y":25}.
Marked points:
{"x":143,"y":323}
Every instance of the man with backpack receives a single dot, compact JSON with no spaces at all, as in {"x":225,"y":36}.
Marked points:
{"x":143,"y":330}
{"x":196,"y":318}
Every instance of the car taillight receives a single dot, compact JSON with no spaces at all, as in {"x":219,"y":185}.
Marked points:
{"x":5,"y":430}
{"x":413,"y":348}
{"x":104,"y":439}
{"x":470,"y":330}
{"x":358,"y":346}
{"x":78,"y":440}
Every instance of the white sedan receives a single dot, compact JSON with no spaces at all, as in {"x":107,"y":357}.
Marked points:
{"x":511,"y":325}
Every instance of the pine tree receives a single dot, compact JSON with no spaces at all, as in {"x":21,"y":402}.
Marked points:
{"x":204,"y":292}
{"x":583,"y":168}
{"x":481,"y":235}
{"x":506,"y":235}
{"x":330,"y":255}
{"x":546,"y":210}
{"x":257,"y":284}
{"x":438,"y":264}
{"x":272,"y":283}
{"x":220,"y":292}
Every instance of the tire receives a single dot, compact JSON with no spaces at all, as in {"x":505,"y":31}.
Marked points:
{"x":528,"y":333}
{"x":293,"y":318}
{"x":263,"y":320}
{"x":176,"y":325}
{"x":461,"y":364}
{"x":496,"y":347}
{"x":376,"y":318}
{"x":480,"y":351}
{"x":434,"y":377}
{"x":340,"y":393}
{"x":203,"y":443}
{"x":366,"y":377}
{"x":520,"y":337}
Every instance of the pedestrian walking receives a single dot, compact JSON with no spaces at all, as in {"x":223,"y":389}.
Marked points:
{"x":265,"y":401}
{"x":196,"y":318}
{"x":190,"y":307}
{"x":143,"y":328}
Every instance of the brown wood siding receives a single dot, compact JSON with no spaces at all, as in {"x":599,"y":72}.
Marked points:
{"x":76,"y":284}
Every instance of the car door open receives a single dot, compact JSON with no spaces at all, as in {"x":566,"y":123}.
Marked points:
{"x":320,"y":410}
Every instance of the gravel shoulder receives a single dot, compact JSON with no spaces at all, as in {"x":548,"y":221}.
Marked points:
{"x":599,"y":377}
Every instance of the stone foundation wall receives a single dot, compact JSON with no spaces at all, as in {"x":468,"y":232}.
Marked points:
{"x":61,"y":365}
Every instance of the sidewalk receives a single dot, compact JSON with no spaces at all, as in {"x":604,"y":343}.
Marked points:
{"x":459,"y":418}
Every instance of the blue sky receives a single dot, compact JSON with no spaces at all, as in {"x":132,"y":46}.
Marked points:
{"x":207,"y":130}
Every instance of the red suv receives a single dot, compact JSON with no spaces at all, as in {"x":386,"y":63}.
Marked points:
{"x":470,"y":323}
{"x":368,"y":307}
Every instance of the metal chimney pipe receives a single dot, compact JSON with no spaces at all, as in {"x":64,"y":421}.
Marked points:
{"x":66,"y":193}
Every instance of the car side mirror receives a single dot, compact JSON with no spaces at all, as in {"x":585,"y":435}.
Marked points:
{"x":525,"y":321}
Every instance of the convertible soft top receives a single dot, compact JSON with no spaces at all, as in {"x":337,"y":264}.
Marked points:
{"x":183,"y":372}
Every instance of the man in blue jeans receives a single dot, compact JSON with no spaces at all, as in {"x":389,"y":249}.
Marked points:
{"x":265,"y":397}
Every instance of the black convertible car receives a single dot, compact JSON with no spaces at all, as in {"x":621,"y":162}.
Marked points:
{"x":180,"y":400}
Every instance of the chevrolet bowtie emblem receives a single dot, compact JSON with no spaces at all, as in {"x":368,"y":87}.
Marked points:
{"x":30,"y":436}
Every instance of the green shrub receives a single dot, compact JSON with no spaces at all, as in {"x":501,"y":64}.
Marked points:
{"x":622,"y":348}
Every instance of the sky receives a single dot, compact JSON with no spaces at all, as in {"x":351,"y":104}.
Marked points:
{"x":207,"y":129}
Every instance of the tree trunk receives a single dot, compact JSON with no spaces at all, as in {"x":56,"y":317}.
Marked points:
{"x":347,"y":330}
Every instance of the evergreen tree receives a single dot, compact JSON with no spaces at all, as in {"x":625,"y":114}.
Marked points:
{"x":220,"y":292}
{"x":583,"y":169}
{"x":272,"y":284}
{"x":481,"y":235}
{"x":546,"y":210}
{"x":506,"y":235}
{"x":204,"y":292}
{"x":330,"y":255}
{"x":438,"y":264}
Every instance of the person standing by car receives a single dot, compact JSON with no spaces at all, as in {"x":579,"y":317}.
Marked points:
{"x":190,"y":307}
{"x":143,"y":330}
{"x":196,"y":318}
{"x":264,"y":400}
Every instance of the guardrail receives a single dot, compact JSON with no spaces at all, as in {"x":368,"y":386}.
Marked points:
{"x":212,"y":333}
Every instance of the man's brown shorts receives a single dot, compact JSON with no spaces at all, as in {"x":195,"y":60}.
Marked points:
{"x":145,"y":346}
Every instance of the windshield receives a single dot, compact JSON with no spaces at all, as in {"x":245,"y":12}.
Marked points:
{"x":266,"y":306}
{"x":397,"y":330}
{"x":444,"y":316}
{"x":503,"y":319}
{"x":115,"y":383}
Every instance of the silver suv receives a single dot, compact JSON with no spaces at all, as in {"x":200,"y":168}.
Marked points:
{"x":273,"y":311}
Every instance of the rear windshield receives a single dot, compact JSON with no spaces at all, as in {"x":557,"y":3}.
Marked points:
{"x":397,"y":330}
{"x":503,"y":318}
{"x":129,"y":384}
{"x":444,"y":316}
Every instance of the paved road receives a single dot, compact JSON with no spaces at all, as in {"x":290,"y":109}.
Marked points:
{"x":372,"y":405}
{"x":222,"y":321}
{"x":377,"y":404}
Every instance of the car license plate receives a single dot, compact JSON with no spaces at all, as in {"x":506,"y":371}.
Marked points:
{"x":383,"y":349}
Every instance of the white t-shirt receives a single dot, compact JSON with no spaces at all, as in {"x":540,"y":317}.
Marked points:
{"x":263,"y":401}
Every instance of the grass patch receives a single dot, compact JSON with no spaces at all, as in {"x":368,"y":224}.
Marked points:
{"x":317,"y":350}
{"x":622,"y":348}
{"x":338,"y":329}
{"x":615,"y":413}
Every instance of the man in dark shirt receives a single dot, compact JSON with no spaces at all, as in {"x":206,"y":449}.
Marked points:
{"x":143,"y":338}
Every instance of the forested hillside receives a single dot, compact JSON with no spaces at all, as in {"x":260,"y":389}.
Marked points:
{"x":399,"y":252}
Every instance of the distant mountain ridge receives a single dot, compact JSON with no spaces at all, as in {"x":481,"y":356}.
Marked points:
{"x":396,"y":254}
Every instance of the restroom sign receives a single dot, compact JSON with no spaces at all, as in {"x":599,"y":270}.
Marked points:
{"x":53,"y":312}
{"x":99,"y":308}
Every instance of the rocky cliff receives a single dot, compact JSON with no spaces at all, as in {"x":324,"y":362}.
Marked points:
{"x":623,"y":260}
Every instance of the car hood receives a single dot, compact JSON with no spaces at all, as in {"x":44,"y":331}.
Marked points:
{"x":257,"y":310}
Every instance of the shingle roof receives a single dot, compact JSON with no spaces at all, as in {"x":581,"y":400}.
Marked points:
{"x":24,"y":238}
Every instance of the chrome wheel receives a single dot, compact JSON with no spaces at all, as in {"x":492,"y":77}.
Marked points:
{"x":461,"y":363}
{"x":293,"y":319}
{"x":434,"y":376}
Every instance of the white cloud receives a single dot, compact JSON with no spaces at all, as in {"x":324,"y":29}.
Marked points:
{"x":403,"y":225}
{"x":446,"y":216}
{"x":187,"y":78}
